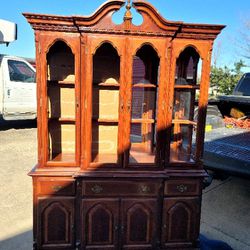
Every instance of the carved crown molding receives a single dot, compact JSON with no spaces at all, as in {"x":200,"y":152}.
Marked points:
{"x":101,"y":22}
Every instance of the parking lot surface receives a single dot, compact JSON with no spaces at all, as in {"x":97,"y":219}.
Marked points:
{"x":225,"y":206}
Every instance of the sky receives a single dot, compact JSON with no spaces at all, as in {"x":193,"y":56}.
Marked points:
{"x":232,"y":13}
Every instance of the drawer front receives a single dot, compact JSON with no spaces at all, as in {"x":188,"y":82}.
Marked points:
{"x":56,"y":186}
{"x":120,"y":188}
{"x":182,"y":187}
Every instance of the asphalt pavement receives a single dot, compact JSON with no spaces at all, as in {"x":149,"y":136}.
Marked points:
{"x":225,"y":212}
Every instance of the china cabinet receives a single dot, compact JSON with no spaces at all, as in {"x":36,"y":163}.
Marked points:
{"x":121,"y":118}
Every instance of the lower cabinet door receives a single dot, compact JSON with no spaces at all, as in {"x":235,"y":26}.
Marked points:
{"x":138,"y":227}
{"x":100,"y":224}
{"x":180,"y":218}
{"x":55,"y":222}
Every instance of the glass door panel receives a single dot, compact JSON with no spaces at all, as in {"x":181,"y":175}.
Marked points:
{"x":61,"y":103}
{"x":184,"y":127}
{"x":105,"y":100}
{"x":182,"y":143}
{"x":144,"y":107}
{"x":104,"y":142}
{"x":143,"y":143}
{"x":61,"y":141}
{"x":183,"y":104}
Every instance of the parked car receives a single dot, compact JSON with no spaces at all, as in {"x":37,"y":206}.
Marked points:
{"x":17,"y":88}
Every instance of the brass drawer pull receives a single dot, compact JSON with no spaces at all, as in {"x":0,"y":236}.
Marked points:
{"x":144,"y":189}
{"x":56,"y":188}
{"x":182,"y":188}
{"x":97,"y":189}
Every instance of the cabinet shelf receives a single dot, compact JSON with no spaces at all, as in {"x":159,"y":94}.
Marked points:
{"x":62,"y":119}
{"x":63,"y":157}
{"x":144,"y":85}
{"x":143,"y":121}
{"x":104,"y":158}
{"x":65,"y":84}
{"x":180,"y":156}
{"x":105,"y":120}
{"x":187,"y":86}
{"x":184,"y":122}
{"x":103,"y":84}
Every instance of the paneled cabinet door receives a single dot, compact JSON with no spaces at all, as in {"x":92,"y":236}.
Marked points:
{"x":100,"y":223}
{"x":138,"y":228}
{"x":55,"y":223}
{"x":180,"y":221}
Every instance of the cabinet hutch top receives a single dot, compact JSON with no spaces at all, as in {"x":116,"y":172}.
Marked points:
{"x":101,"y":22}
{"x":147,"y":117}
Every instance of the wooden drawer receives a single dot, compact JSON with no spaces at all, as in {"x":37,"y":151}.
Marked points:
{"x":56,"y":186}
{"x":120,"y":188}
{"x":183,"y":187}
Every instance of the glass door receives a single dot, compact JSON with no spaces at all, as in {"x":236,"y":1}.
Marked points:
{"x":105,"y":103}
{"x":61,"y":104}
{"x":183,"y":134}
{"x":144,"y":107}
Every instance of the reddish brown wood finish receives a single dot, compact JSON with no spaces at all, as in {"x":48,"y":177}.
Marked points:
{"x":152,"y":202}
{"x":179,"y":220}
{"x":138,"y":224}
{"x":100,"y":223}
{"x":55,"y":222}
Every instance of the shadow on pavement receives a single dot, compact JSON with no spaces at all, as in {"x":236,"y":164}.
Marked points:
{"x":6,"y":125}
{"x":21,"y":241}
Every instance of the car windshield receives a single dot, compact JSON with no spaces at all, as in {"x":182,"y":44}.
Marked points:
{"x":243,"y":87}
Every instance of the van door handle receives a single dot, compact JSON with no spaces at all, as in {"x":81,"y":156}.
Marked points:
{"x":8,"y":92}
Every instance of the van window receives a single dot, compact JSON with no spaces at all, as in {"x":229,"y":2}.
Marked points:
{"x":20,"y":72}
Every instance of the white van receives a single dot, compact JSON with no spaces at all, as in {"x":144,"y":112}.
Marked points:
{"x":17,"y":89}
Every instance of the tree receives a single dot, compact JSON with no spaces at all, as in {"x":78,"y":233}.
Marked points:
{"x":243,"y":40}
{"x":224,"y":79}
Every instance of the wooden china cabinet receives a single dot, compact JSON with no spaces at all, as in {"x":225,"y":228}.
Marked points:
{"x":121,"y":117}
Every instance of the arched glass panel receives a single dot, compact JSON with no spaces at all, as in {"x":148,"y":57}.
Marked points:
{"x":184,"y":126}
{"x":144,"y":106}
{"x":61,"y":103}
{"x":105,"y":99}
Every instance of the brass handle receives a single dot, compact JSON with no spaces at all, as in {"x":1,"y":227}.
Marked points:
{"x":144,"y":189}
{"x":182,"y":188}
{"x":97,"y":189}
{"x":56,"y":188}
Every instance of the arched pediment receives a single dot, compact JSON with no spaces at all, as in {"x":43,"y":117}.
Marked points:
{"x":153,"y":22}
{"x":101,"y":15}
{"x":149,"y":11}
{"x":101,"y":22}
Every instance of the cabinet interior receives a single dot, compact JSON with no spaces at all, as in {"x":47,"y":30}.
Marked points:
{"x":61,"y":113}
{"x":105,"y":103}
{"x":144,"y":106}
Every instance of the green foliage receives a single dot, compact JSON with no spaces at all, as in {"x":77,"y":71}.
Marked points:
{"x":224,"y":79}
